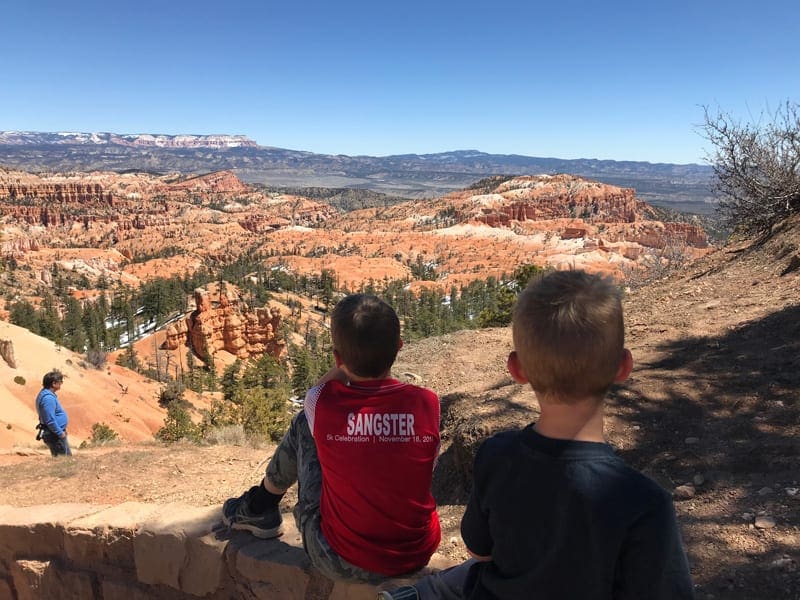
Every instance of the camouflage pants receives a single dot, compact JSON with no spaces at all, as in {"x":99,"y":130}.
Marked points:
{"x":295,"y":461}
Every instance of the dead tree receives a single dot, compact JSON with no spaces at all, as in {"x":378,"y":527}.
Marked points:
{"x":757,"y":167}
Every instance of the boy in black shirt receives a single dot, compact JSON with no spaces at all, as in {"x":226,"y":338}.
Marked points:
{"x":554,"y":513}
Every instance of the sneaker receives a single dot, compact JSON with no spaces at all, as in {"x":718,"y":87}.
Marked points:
{"x":407,"y":592}
{"x":236,"y":514}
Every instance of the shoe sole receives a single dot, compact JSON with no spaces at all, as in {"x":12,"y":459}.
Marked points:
{"x":264,"y":534}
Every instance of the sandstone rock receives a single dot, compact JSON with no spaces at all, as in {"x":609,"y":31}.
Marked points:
{"x":203,"y":572}
{"x":5,"y":589}
{"x":106,"y":537}
{"x":785,"y":563}
{"x":240,"y":331}
{"x":160,"y":548}
{"x":27,"y":576}
{"x":113,"y":590}
{"x":764,"y":522}
{"x":684,"y":492}
{"x":38,"y":530}
{"x":7,"y":353}
{"x":62,"y":583}
{"x":288,"y":575}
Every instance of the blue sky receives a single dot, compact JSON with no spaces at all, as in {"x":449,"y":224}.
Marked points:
{"x":573,"y":79}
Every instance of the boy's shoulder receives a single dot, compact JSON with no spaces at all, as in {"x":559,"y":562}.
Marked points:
{"x":523,"y":444}
{"x":376,"y":388}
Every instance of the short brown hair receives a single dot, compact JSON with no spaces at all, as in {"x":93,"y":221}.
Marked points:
{"x":366,"y":334}
{"x":569,"y":334}
{"x":51,"y":377}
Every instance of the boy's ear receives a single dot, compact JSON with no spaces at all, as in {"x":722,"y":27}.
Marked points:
{"x":515,"y":368}
{"x":400,"y":345}
{"x":625,"y":366}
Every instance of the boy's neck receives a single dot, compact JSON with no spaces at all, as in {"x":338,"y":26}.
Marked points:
{"x":580,"y":420}
{"x":358,"y":379}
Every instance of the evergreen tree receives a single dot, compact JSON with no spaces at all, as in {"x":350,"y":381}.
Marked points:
{"x":301,"y":370}
{"x":74,"y":332}
{"x":49,"y":323}
{"x":230,"y":379}
{"x":23,"y":313}
{"x":129,"y":359}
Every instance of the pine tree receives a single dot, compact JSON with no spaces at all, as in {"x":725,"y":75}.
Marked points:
{"x":74,"y":333}
{"x":230,"y":380}
{"x":23,"y":313}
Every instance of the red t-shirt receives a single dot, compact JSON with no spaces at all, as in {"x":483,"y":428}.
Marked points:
{"x":377,"y":443}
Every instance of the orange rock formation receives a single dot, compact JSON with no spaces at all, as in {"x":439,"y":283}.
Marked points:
{"x":243,"y":333}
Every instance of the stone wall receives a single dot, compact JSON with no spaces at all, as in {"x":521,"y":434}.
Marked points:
{"x":136,"y":551}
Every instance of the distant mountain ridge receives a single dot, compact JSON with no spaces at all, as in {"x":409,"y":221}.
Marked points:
{"x":36,"y":138}
{"x":683,"y":187}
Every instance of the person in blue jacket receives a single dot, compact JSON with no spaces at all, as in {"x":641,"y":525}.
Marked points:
{"x":52,"y":417}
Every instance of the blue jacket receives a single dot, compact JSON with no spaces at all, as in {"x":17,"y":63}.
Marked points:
{"x":50,"y":412}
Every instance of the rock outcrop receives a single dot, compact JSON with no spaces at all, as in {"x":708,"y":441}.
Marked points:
{"x":240,"y":331}
{"x":19,"y":246}
{"x":605,"y":211}
{"x":7,"y":353}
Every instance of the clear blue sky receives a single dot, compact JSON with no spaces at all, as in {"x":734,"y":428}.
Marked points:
{"x":567,"y":79}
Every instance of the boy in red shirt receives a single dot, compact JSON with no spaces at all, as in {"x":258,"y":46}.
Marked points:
{"x":362,"y":452}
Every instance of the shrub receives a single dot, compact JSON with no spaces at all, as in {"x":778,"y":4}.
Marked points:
{"x":264,"y":412}
{"x":219,"y":415}
{"x":129,"y":359}
{"x":171,"y":393}
{"x":229,"y":435}
{"x":756,"y":167}
{"x":102,"y":434}
{"x":177,"y":426}
{"x":96,"y":357}
{"x":19,"y":379}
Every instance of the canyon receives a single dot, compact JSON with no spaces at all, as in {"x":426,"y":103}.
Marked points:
{"x":129,"y":227}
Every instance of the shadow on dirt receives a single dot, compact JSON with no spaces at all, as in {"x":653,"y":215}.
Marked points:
{"x":466,"y":421}
{"x":718,"y":412}
{"x":722,"y":413}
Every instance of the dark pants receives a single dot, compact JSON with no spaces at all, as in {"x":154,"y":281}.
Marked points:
{"x":445,"y":585}
{"x":58,"y":446}
{"x":295,"y":461}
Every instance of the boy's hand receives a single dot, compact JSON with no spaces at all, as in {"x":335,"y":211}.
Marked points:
{"x":333,"y":373}
{"x":478,"y":557}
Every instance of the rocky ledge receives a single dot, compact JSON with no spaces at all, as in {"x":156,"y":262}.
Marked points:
{"x":136,"y":551}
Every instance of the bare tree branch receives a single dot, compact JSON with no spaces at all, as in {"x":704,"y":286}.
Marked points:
{"x":757,"y":167}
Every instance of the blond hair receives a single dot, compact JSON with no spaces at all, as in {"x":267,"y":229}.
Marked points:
{"x":569,"y":335}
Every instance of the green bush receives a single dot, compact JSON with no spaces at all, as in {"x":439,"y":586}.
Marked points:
{"x":177,"y":426}
{"x":102,"y":434}
{"x":264,"y":412}
{"x":219,"y":415}
{"x":171,"y":393}
{"x":19,"y":379}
